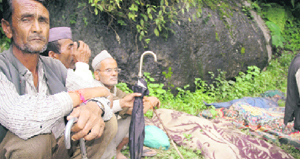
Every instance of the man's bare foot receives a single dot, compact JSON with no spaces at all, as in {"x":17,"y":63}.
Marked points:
{"x":148,"y":152}
{"x":120,"y":155}
{"x":124,"y":141}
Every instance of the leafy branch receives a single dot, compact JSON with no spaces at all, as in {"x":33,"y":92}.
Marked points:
{"x":148,"y":17}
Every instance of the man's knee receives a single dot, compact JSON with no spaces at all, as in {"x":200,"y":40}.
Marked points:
{"x":123,"y":129}
{"x":36,"y":147}
{"x":111,"y":128}
{"x":97,"y":148}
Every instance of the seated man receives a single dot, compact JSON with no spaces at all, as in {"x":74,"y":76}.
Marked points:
{"x":71,"y":54}
{"x":106,"y":73}
{"x":61,"y":47}
{"x":34,"y":98}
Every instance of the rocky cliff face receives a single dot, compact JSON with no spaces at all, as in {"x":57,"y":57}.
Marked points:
{"x":196,"y":48}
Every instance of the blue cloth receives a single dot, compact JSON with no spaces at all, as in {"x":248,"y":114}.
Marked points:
{"x":254,"y":101}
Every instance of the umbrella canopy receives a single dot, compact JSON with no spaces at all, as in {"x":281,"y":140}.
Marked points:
{"x":137,"y":124}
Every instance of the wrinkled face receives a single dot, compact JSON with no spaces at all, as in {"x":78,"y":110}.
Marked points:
{"x":66,"y":55}
{"x":109,"y":79}
{"x":30,"y":26}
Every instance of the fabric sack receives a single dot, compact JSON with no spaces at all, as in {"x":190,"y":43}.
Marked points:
{"x":156,"y":138}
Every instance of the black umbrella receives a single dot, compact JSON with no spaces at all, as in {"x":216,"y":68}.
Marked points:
{"x":137,"y":124}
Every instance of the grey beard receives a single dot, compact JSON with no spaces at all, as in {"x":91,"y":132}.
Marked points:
{"x":27,"y":49}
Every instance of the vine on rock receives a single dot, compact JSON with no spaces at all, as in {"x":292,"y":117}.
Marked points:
{"x":151,"y":16}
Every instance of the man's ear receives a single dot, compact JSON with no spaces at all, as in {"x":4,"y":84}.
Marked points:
{"x":53,"y":54}
{"x":6,"y":28}
{"x":96,"y":75}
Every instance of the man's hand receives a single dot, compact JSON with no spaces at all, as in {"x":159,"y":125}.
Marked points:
{"x":128,"y":100}
{"x":150,"y":102}
{"x":90,"y":125}
{"x":83,"y":53}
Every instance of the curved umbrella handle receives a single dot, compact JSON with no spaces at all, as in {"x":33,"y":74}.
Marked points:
{"x":68,"y":138}
{"x":140,"y":75}
{"x":68,"y":132}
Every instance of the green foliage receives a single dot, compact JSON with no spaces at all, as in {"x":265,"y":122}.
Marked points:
{"x":217,"y":37}
{"x":168,"y":76}
{"x":187,"y":153}
{"x":255,"y":6}
{"x":155,"y":89}
{"x":243,"y":50}
{"x":141,"y":13}
{"x":124,"y":87}
{"x":276,"y":14}
{"x":85,"y":21}
{"x":206,"y":19}
{"x":293,"y":3}
{"x":246,"y":10}
{"x":277,"y":38}
{"x":292,"y":34}
{"x":4,"y":41}
{"x":153,"y":17}
{"x":80,"y":5}
{"x":73,"y":18}
{"x":171,"y":153}
{"x":291,"y":150}
{"x":281,"y":23}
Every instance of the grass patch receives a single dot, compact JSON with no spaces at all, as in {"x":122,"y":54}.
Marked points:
{"x":171,"y":153}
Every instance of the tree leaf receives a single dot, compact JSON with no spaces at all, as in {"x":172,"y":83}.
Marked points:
{"x":147,"y":40}
{"x":100,"y":7}
{"x":159,"y":27}
{"x":96,"y":11}
{"x":149,"y":10}
{"x":144,"y":16}
{"x":293,"y":3}
{"x":162,"y":2}
{"x":150,"y":16}
{"x":156,"y":32}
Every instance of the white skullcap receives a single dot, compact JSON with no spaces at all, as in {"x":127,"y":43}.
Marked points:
{"x":100,"y":57}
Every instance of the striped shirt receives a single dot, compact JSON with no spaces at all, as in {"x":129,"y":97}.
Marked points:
{"x":37,"y":112}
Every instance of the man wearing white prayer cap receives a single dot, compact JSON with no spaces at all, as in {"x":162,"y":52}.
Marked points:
{"x":106,"y":73}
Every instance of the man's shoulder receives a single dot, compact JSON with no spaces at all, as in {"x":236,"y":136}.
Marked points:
{"x":3,"y":55}
{"x":295,"y":64}
{"x":49,"y":60}
{"x":4,"y":60}
{"x":119,"y":90}
{"x":52,"y":62}
{"x":97,"y":83}
{"x":120,"y":93}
